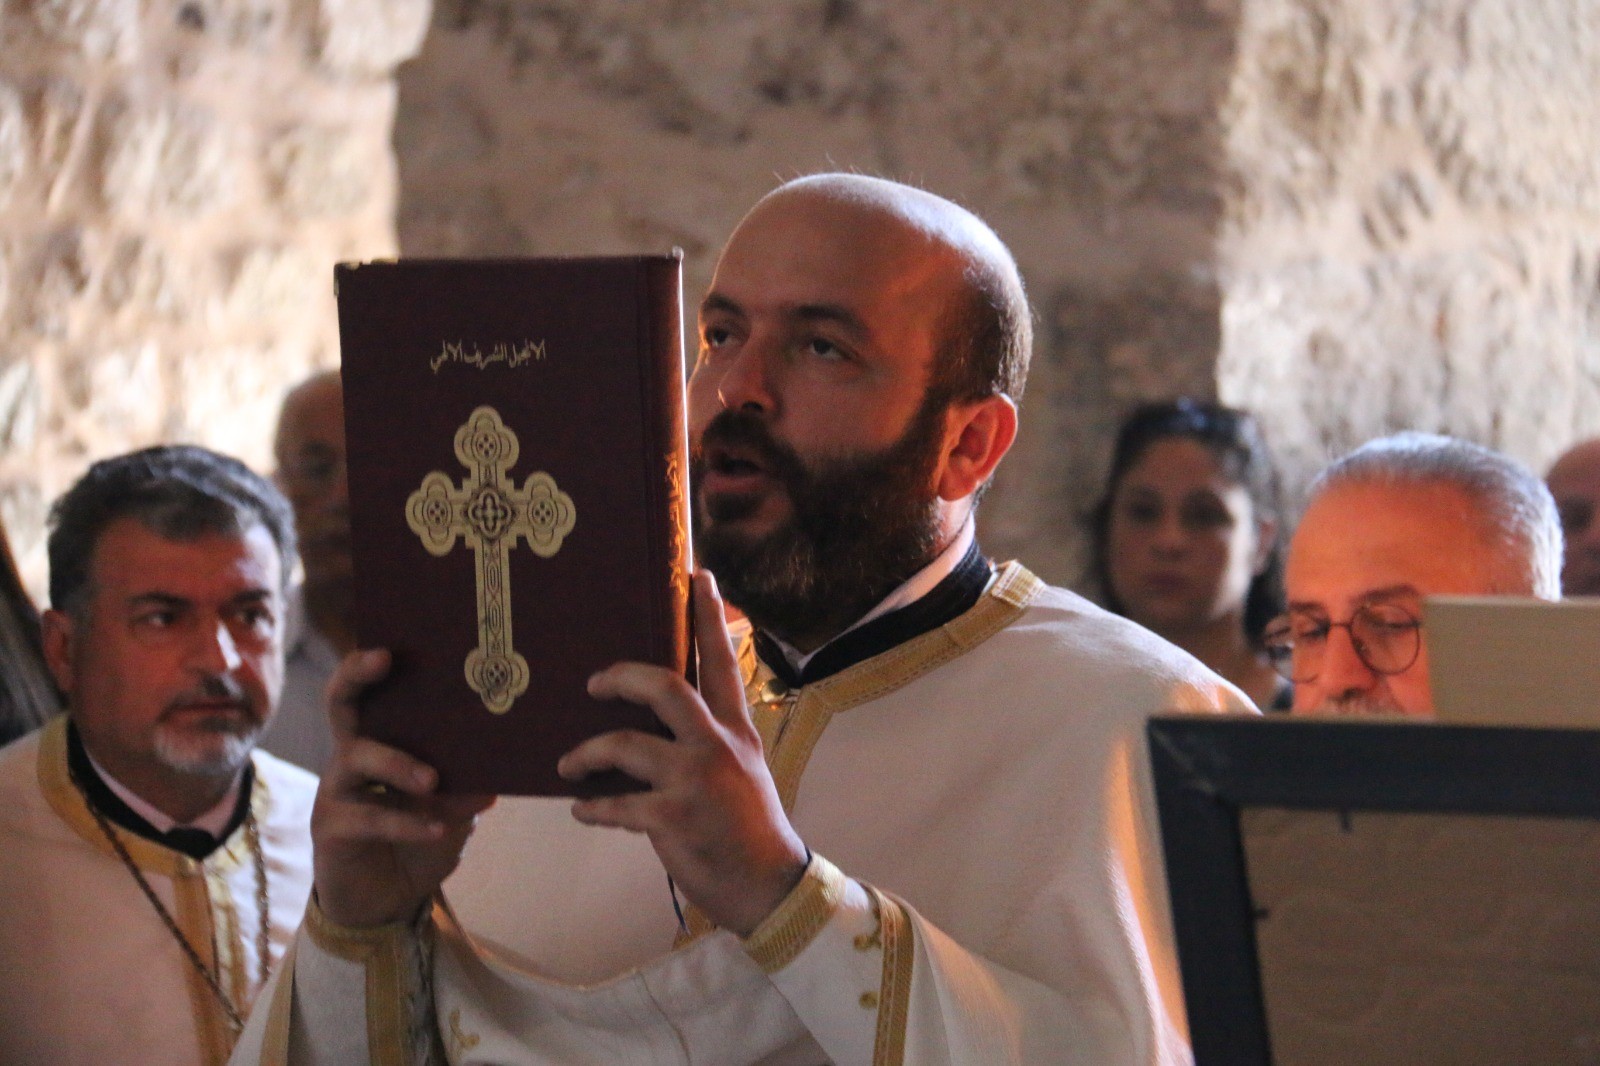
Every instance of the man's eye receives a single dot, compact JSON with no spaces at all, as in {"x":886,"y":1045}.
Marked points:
{"x":716,"y":336}
{"x":256,"y":617}
{"x":823,"y":349}
{"x":1309,"y":630}
{"x":156,"y":620}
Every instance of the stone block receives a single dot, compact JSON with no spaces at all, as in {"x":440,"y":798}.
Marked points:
{"x":62,"y":269}
{"x":254,"y":24}
{"x":100,"y":29}
{"x":142,"y":282}
{"x":227,"y":398}
{"x":268,"y":284}
{"x":173,"y":157}
{"x":1505,"y":101}
{"x":20,"y":405}
{"x":323,"y":170}
{"x":118,"y":395}
{"x":369,"y":37}
{"x":55,"y":107}
{"x":14,"y":149}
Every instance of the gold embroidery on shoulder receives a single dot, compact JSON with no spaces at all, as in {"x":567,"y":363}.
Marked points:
{"x":488,"y":512}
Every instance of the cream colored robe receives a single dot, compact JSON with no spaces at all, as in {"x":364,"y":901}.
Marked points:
{"x":983,"y":787}
{"x":89,"y":974}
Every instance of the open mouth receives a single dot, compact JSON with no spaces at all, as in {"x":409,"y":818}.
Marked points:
{"x":729,"y":469}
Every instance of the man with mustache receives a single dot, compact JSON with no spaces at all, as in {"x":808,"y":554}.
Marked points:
{"x":908,"y":820}
{"x":1398,"y":519}
{"x":155,"y":866}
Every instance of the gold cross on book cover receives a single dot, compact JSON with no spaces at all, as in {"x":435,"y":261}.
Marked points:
{"x":489,"y":513}
{"x":560,"y":543}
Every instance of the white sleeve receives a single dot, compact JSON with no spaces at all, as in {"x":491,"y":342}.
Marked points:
{"x":347,"y":996}
{"x":875,"y":982}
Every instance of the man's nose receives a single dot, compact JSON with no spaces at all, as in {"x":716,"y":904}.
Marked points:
{"x":216,"y":651}
{"x":1343,"y":671}
{"x":745,"y":384}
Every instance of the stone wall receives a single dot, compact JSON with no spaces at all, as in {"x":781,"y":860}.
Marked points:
{"x":1087,"y":133}
{"x":1353,"y":215}
{"x":176,"y":181}
{"x":1413,"y":226}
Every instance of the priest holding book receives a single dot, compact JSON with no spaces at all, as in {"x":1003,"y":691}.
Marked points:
{"x":908,"y":819}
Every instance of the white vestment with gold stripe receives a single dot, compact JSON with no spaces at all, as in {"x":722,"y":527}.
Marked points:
{"x":89,"y":974}
{"x":984,"y":789}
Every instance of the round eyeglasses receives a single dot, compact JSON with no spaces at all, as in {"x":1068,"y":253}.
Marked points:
{"x":1386,"y":637}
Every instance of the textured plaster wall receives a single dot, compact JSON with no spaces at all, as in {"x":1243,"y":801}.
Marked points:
{"x":176,"y":180}
{"x":1087,"y":133}
{"x":1413,"y":223}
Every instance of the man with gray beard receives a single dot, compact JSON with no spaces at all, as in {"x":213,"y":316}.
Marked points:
{"x":1398,"y":519}
{"x":156,"y":867}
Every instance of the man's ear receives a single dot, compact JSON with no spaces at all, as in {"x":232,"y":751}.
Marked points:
{"x":58,"y":636}
{"x":977,"y":436}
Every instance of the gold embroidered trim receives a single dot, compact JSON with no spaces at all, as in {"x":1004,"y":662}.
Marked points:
{"x":192,"y":893}
{"x":791,"y":723}
{"x":894,"y":997}
{"x":791,"y":928}
{"x":382,"y":952}
{"x":275,"y":1042}
{"x":1012,"y":591}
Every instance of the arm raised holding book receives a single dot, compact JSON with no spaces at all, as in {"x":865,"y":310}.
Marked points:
{"x":712,"y":813}
{"x":385,"y":839}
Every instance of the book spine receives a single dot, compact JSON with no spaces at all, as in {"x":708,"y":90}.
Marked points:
{"x":661,"y":334}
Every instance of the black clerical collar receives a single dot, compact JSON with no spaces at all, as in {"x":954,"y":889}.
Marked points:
{"x":950,"y":598}
{"x":195,"y":843}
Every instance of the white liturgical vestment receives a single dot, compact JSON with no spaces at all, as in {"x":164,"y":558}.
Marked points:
{"x":986,"y":884}
{"x":89,"y":973}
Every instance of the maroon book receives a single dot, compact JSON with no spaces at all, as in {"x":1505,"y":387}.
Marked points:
{"x":518,"y":503}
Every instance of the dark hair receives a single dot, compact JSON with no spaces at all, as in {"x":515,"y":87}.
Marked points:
{"x":178,"y":491}
{"x":1234,"y":437}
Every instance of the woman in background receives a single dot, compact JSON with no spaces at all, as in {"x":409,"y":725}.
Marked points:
{"x":27,"y":694}
{"x":1186,"y":538}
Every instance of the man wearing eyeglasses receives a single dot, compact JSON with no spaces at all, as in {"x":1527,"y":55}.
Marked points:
{"x":319,"y":629}
{"x":1399,"y":519}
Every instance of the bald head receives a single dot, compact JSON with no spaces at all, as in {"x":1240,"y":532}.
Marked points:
{"x":310,"y":453}
{"x":986,"y":326}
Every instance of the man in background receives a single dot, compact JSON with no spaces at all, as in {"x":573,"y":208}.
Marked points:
{"x":155,"y":866}
{"x":1398,"y":519}
{"x":319,"y":627}
{"x":1574,"y":481}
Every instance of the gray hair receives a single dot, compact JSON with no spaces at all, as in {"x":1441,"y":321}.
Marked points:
{"x":178,"y":491}
{"x":1519,"y":519}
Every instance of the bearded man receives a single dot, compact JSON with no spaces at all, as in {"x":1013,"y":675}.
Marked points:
{"x":908,"y":820}
{"x":155,"y":867}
